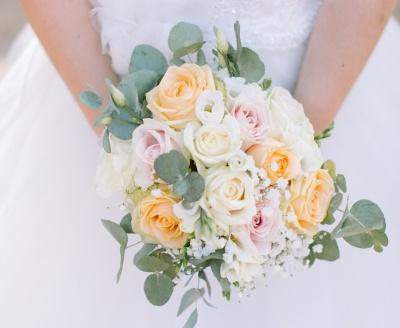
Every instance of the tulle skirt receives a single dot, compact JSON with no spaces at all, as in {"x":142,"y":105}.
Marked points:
{"x":58,"y":264}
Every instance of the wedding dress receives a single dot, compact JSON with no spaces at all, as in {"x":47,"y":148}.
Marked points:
{"x":58,"y":264}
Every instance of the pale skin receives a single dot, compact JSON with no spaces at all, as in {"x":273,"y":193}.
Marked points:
{"x":343,"y":38}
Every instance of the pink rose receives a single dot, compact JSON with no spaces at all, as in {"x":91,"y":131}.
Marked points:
{"x":251,"y":112}
{"x":149,"y":141}
{"x":263,"y":226}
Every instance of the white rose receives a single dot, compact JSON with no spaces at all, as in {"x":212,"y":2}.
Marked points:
{"x":291,"y":126}
{"x":212,"y":143}
{"x":242,"y":261}
{"x":210,"y":107}
{"x":228,"y":196}
{"x":115,"y":170}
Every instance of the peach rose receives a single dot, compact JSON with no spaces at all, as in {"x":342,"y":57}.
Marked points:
{"x":310,"y":201}
{"x":174,"y":99}
{"x":277,"y":161}
{"x":155,"y":221}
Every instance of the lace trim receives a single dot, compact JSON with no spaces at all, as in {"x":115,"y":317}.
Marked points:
{"x":285,"y":25}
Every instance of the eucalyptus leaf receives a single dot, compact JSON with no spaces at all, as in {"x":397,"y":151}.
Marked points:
{"x":122,"y":126}
{"x":237,"y":35}
{"x":361,"y":240}
{"x":116,"y":231}
{"x":188,"y":50}
{"x":335,"y":203}
{"x":128,"y":87}
{"x":217,"y":255}
{"x":203,"y":276}
{"x":145,"y":80}
{"x":171,"y":166}
{"x":330,"y":249}
{"x":201,"y":58}
{"x":183,"y":35}
{"x":90,"y":99}
{"x":250,"y":65}
{"x":151,"y":264}
{"x":177,"y":61}
{"x":145,"y":57}
{"x":364,"y":216}
{"x":105,"y":117}
{"x":192,"y":320}
{"x":216,"y":268}
{"x":330,"y":166}
{"x":181,"y":187}
{"x":195,"y":187}
{"x":329,"y":218}
{"x":106,"y":141}
{"x":158,"y":288}
{"x":144,"y":251}
{"x":341,"y":182}
{"x":126,"y":223}
{"x":190,"y":297}
{"x":121,"y":262}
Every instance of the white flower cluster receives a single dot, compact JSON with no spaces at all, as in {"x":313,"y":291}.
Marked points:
{"x":288,"y":252}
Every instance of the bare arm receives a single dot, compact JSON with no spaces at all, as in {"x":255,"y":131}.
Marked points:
{"x":66,"y":31}
{"x":344,"y":36}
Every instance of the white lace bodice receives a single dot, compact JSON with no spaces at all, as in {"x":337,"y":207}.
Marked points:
{"x":268,"y":26}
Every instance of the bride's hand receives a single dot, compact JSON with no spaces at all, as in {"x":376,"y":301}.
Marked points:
{"x":344,"y":36}
{"x":66,"y":31}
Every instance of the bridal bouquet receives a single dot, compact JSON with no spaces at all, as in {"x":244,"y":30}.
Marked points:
{"x":220,"y":173}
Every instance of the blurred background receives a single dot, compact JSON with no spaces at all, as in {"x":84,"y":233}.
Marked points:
{"x":12,"y":20}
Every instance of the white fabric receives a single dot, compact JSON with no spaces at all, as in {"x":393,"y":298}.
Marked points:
{"x":57,"y":263}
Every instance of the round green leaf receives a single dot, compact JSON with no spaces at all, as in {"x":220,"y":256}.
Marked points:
{"x":330,"y":249}
{"x":171,"y":166}
{"x":250,"y":65}
{"x":362,"y":240}
{"x":145,"y":57}
{"x":195,"y":183}
{"x":144,"y":251}
{"x":183,"y":35}
{"x":145,"y":80}
{"x":188,"y":50}
{"x":158,"y":288}
{"x":181,"y":187}
{"x":331,"y":167}
{"x":151,"y":264}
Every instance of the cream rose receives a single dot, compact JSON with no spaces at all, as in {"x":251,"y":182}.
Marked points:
{"x":277,"y":161}
{"x":229,"y":196}
{"x":211,"y":143}
{"x":115,"y":170}
{"x":310,"y":201}
{"x":150,"y":140}
{"x":155,"y":221}
{"x":291,"y":126}
{"x":174,"y":99}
